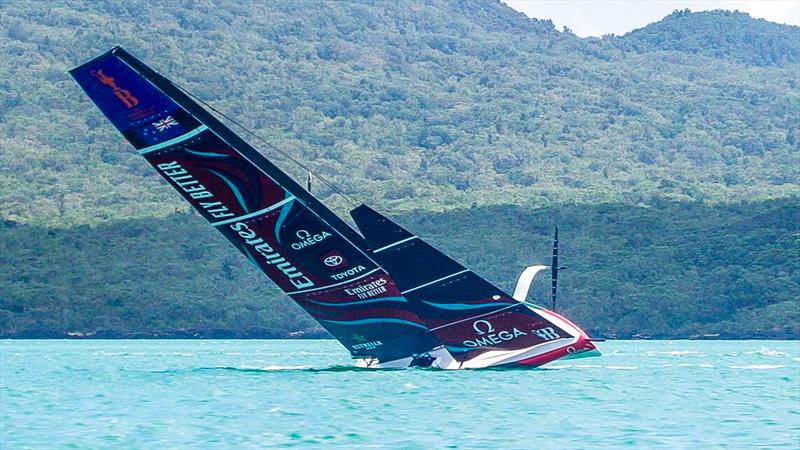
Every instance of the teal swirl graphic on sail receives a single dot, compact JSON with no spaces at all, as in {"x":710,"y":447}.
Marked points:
{"x":379,"y":321}
{"x":360,"y":302}
{"x":235,"y":189}
{"x":205,"y":154}
{"x":465,"y":306}
{"x":285,"y":209}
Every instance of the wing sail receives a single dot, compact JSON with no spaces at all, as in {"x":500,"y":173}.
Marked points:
{"x":469,"y":315}
{"x":309,"y":252}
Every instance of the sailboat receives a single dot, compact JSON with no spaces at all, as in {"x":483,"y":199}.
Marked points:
{"x":386,"y":295}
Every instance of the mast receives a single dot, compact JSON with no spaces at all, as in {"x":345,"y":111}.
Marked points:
{"x":554,"y":270}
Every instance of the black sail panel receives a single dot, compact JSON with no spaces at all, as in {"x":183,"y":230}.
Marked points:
{"x":465,"y":312}
{"x":309,"y":252}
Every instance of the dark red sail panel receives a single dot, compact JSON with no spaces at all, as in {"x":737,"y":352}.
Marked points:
{"x":217,"y":180}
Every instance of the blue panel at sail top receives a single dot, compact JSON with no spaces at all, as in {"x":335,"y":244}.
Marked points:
{"x":140,"y":111}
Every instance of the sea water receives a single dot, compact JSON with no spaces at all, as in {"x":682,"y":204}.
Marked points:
{"x":155,"y":394}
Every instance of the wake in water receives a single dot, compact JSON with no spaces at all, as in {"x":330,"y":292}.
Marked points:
{"x":333,"y":369}
{"x":687,"y":356}
{"x":758,"y":366}
{"x":763,"y":351}
{"x":289,"y":369}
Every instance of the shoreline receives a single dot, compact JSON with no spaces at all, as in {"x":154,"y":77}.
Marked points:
{"x":311,"y":335}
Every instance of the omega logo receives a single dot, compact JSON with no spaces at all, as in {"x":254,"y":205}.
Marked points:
{"x":489,"y":327}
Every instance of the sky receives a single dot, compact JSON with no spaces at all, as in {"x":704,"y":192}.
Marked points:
{"x":598,"y":17}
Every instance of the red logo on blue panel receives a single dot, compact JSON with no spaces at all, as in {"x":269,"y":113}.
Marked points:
{"x":123,"y":95}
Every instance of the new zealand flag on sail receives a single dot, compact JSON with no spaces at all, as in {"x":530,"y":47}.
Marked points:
{"x":160,"y":128}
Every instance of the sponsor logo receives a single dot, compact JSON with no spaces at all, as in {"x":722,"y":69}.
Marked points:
{"x":363,"y":343}
{"x":348,"y":273}
{"x":186,"y":182}
{"x":547,"y":333}
{"x":272,"y":257}
{"x":479,"y":324}
{"x":307,"y":239}
{"x":488,"y":337}
{"x":572,"y":350}
{"x":333,"y":261}
{"x":123,"y":95}
{"x":368,"y":290}
{"x":368,"y":345}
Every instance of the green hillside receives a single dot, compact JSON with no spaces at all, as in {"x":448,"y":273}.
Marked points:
{"x":718,"y":34}
{"x":670,"y":156}
{"x":674,"y":270}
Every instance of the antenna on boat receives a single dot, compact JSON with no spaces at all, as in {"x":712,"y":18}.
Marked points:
{"x":308,"y":180}
{"x":555,"y":268}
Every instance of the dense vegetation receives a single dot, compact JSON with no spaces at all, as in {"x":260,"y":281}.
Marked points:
{"x":719,"y":34}
{"x":670,"y":156}
{"x":676,"y":269}
{"x":414,"y":105}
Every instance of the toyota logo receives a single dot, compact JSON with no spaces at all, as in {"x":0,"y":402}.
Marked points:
{"x":333,"y":261}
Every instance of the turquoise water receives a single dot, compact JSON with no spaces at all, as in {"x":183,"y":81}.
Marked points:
{"x":257,"y":394}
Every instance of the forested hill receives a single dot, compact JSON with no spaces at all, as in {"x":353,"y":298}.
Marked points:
{"x":718,"y":34}
{"x":438,"y":113}
{"x":415,"y":105}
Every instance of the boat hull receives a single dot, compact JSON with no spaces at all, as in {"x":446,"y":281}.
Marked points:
{"x":577,"y":345}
